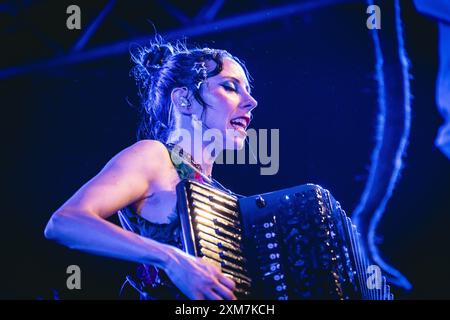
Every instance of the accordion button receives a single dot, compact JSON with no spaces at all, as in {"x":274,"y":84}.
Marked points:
{"x":275,"y":267}
{"x":268,"y":225}
{"x":281,"y":287}
{"x":278,"y":277}
{"x":270,"y":235}
{"x":260,"y":202}
{"x":274,"y":256}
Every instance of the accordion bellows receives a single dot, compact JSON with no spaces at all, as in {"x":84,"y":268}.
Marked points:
{"x":295,"y":243}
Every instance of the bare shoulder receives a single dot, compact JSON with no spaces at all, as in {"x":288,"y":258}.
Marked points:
{"x":144,"y":155}
{"x":148,"y":148}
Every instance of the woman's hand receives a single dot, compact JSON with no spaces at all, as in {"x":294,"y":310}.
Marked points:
{"x":196,"y":278}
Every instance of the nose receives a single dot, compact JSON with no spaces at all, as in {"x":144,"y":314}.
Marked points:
{"x":249,"y":103}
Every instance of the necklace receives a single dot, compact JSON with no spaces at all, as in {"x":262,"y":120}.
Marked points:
{"x":188,"y":159}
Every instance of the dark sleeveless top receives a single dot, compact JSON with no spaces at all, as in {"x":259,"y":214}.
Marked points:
{"x":149,"y":281}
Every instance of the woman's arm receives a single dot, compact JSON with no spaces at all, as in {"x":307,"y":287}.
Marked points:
{"x":80,"y":223}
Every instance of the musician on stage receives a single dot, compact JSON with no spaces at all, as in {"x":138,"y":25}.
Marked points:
{"x":181,"y":89}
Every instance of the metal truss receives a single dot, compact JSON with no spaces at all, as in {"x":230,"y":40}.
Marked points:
{"x":204,"y":22}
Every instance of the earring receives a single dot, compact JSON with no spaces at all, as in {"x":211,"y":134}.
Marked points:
{"x":184,"y":103}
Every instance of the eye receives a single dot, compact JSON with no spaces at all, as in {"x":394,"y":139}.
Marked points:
{"x":229,"y":87}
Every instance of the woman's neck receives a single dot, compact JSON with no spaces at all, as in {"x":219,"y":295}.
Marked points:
{"x":190,"y":138}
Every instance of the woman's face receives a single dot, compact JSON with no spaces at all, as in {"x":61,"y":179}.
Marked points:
{"x":229,"y":103}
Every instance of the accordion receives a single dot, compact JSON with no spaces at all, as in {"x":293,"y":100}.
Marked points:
{"x":295,"y":243}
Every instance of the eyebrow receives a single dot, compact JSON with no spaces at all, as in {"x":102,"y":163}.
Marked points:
{"x":247,"y":87}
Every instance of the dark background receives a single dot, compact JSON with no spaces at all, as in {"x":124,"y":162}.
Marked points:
{"x":313,"y":77}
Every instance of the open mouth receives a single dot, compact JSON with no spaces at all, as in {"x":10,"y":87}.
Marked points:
{"x":240,"y":123}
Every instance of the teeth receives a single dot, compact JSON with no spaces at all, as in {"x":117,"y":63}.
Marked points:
{"x":239,"y":122}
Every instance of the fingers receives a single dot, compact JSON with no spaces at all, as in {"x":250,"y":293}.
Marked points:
{"x":224,"y":292}
{"x":224,"y":286}
{"x":216,"y":285}
{"x":226,"y":280}
{"x":211,"y":295}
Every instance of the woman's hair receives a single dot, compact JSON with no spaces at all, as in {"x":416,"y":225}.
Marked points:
{"x":159,"y":69}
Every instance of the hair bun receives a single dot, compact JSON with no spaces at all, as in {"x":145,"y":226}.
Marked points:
{"x":157,"y":56}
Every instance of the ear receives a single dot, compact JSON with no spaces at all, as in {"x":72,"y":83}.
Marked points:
{"x":181,"y":101}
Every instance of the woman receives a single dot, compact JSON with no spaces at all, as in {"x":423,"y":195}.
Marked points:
{"x":182,"y":91}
